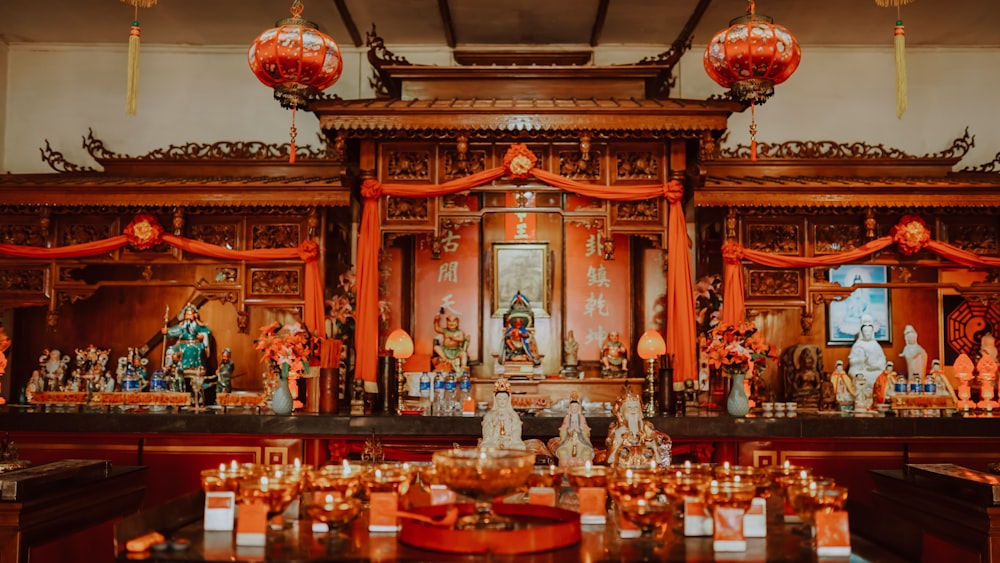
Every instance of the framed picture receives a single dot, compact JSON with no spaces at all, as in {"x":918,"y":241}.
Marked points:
{"x":520,"y":267}
{"x":843,"y":318}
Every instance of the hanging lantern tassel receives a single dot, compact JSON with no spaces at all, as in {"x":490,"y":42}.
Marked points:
{"x":753,"y":133}
{"x":899,"y":45}
{"x":899,"y":42}
{"x":132,"y":87}
{"x":292,"y":133}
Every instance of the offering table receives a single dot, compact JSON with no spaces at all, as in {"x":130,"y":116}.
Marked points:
{"x":43,"y":503}
{"x":296,"y":542}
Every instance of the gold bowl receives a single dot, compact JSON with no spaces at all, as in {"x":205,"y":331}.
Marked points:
{"x":391,"y":477}
{"x":809,"y":498}
{"x":275,"y":488}
{"x":342,"y":481}
{"x":335,"y":512}
{"x":588,"y":476}
{"x":484,"y":473}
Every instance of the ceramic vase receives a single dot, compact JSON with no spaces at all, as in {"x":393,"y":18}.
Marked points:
{"x":282,"y":401}
{"x":738,"y":404}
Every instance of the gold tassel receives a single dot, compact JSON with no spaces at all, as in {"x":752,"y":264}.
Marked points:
{"x":292,"y":133}
{"x":132,"y":86}
{"x":132,"y":89}
{"x":900,"y":46}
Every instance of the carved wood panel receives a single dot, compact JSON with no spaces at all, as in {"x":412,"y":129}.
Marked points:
{"x":831,"y":238}
{"x":776,"y":238}
{"x":973,"y":236}
{"x":276,"y":282}
{"x":770,"y":283}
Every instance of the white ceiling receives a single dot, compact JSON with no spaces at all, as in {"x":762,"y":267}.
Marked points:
{"x":521,"y":23}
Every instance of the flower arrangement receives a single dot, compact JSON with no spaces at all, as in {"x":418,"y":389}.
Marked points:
{"x":736,"y":348}
{"x":340,"y":307}
{"x":288,"y":347}
{"x":707,"y":303}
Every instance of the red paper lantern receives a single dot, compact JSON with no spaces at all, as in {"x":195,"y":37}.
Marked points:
{"x":751,"y":56}
{"x":296,"y":59}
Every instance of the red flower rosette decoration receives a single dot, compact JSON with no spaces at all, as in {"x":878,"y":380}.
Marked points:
{"x":732,"y":252}
{"x":144,"y":232}
{"x":910,"y":234}
{"x":519,"y":161}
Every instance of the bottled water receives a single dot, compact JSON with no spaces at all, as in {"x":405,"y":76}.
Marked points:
{"x":438,"y":396}
{"x":425,"y":393}
{"x":468,"y":404}
{"x":450,"y":395}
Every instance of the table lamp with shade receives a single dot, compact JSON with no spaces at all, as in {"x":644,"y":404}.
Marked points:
{"x":401,"y":346}
{"x":651,"y":346}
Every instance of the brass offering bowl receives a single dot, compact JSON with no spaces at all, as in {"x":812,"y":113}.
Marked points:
{"x":342,"y":481}
{"x":484,"y":473}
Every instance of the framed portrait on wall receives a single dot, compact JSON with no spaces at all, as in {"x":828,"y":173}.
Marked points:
{"x":520,"y":267}
{"x":843,"y":318}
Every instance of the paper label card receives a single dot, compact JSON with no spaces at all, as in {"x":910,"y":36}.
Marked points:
{"x":382,"y":514}
{"x":593,"y":505}
{"x":544,"y":496}
{"x":251,"y":527}
{"x":833,"y":533}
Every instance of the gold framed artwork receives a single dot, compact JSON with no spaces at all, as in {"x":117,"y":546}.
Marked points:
{"x":520,"y":267}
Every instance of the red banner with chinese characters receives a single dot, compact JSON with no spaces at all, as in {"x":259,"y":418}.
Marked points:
{"x":521,"y":224}
{"x":597,"y":290}
{"x":450,"y":283}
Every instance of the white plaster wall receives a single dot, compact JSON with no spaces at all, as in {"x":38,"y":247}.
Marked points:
{"x":848,"y":94}
{"x":57,"y":92}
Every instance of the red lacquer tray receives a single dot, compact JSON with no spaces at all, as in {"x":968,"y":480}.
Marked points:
{"x":541,"y":528}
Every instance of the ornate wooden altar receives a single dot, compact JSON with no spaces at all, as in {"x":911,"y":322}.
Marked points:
{"x":234,"y":195}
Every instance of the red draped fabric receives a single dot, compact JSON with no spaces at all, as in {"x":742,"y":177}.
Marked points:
{"x":681,"y":337}
{"x":680,"y":340}
{"x":910,"y":234}
{"x":73,"y":251}
{"x":308,"y":252}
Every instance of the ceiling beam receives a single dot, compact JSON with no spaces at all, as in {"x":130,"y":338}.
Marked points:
{"x":602,"y":14}
{"x":446,"y":23}
{"x":348,"y":19}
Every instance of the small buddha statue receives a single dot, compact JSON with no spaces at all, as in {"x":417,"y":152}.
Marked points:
{"x":501,"y":424}
{"x":573,"y":447}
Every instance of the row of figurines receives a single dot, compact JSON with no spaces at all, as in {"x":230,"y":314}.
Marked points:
{"x":90,"y":372}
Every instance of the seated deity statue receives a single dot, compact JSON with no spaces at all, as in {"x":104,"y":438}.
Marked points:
{"x":885,"y":384}
{"x":501,"y":424}
{"x":632,"y":441}
{"x":987,"y":346}
{"x":862,"y":394}
{"x":518,"y":345}
{"x":614,"y":356}
{"x":451,"y":345}
{"x":573,"y":446}
{"x":866,"y":356}
{"x":843,"y":387}
{"x":91,"y":362}
{"x":36,"y":384}
{"x":53,"y":367}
